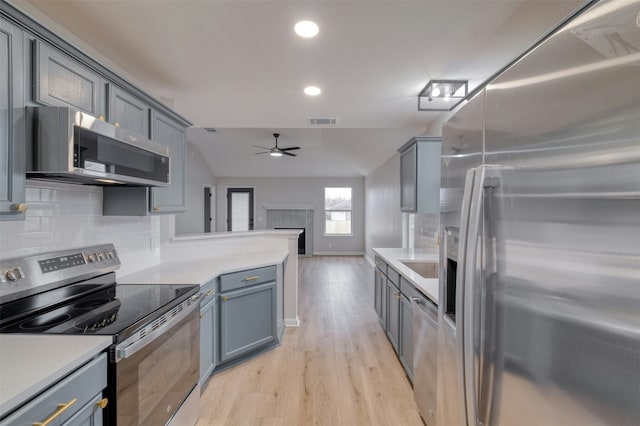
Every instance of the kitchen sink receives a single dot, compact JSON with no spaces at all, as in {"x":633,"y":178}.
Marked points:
{"x":423,"y":268}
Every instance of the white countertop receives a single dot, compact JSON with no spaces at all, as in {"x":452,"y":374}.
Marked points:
{"x":29,"y":363}
{"x":393,"y":256}
{"x":202,"y":271}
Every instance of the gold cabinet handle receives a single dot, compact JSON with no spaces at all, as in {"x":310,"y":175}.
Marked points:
{"x":61,"y":409}
{"x":209,"y":293}
{"x":156,"y":209}
{"x":225,"y":298}
{"x":20,"y":207}
{"x":255,"y":277}
{"x":102,"y":404}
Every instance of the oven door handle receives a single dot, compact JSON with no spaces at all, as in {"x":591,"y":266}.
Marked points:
{"x":135,"y":343}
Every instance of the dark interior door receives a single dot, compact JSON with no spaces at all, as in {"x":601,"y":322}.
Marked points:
{"x":207,"y":209}
{"x":239,"y":209}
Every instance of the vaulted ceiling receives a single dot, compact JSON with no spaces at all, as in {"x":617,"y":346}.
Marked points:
{"x":238,"y":67}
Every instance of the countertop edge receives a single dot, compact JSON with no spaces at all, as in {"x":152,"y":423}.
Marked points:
{"x":206,"y":271}
{"x":49,"y":380}
{"x":279,"y":233}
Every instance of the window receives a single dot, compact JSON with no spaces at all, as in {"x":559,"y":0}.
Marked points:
{"x":337,"y":211}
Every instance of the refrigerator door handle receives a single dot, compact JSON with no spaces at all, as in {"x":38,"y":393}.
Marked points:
{"x":460,"y":295}
{"x":477,"y":182}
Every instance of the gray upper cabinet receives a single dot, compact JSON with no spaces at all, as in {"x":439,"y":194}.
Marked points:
{"x":12,"y":125}
{"x":420,"y":175}
{"x":128,"y":111}
{"x":141,"y":201}
{"x":171,"y":134}
{"x":408,"y":163}
{"x":62,"y":81}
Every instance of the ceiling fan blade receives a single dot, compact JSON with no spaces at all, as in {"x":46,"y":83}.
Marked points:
{"x":290,"y":149}
{"x":263,"y":147}
{"x":288,"y":153}
{"x":257,"y":153}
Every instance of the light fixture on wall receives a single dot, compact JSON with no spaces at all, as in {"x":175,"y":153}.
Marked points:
{"x":442,"y":95}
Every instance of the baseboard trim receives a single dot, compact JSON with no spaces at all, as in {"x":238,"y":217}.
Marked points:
{"x":339,"y":253}
{"x":370,"y":260}
{"x":291,"y":322}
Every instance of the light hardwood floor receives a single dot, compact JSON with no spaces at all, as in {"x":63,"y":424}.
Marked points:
{"x":337,"y":368}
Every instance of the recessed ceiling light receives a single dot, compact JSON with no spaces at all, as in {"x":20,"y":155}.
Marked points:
{"x":312,"y":90}
{"x":306,"y":29}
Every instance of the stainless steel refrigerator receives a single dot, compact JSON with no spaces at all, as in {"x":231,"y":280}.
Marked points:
{"x":540,"y":263}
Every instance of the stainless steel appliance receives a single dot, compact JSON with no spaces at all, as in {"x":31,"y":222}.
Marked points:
{"x":425,"y":341}
{"x":154,"y":360}
{"x":547,"y":324}
{"x":72,"y":146}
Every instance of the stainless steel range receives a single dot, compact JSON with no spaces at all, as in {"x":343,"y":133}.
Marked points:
{"x":154,"y":358}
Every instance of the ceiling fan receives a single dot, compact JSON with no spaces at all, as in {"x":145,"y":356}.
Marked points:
{"x":276,"y":151}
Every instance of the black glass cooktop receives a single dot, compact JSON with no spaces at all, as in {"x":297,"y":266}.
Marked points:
{"x":105,"y":310}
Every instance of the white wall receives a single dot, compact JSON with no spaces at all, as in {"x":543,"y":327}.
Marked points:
{"x":307,"y":190}
{"x":198,"y":175}
{"x":382,"y":212}
{"x":63,"y":216}
{"x":385,"y":223}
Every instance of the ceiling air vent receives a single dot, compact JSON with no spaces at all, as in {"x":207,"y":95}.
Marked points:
{"x":211,"y":129}
{"x":323,"y":121}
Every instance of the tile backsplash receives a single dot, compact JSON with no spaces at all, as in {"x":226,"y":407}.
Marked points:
{"x":62,"y":216}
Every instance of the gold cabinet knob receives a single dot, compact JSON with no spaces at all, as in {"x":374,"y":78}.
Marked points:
{"x":156,"y":209}
{"x":117,"y":124}
{"x":20,"y":207}
{"x":101,"y":118}
{"x":103,"y":403}
{"x":225,"y":298}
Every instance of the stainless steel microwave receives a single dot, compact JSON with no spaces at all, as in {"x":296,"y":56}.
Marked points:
{"x":72,"y":146}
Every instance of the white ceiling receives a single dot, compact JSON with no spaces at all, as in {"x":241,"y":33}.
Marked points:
{"x":238,"y":66}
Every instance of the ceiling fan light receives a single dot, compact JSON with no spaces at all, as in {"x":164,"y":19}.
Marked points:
{"x":312,"y":90}
{"x":306,"y":29}
{"x":275,"y":154}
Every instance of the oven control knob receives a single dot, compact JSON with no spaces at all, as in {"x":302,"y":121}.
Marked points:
{"x":12,"y":274}
{"x":91,"y":258}
{"x":101,"y":256}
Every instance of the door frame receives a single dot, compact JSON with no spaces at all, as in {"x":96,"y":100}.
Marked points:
{"x":249,"y":189}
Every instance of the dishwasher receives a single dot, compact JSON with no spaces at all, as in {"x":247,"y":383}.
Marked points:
{"x":425,"y":339}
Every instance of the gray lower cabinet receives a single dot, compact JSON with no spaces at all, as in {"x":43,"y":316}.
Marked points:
{"x":406,"y":335}
{"x":208,"y":331}
{"x":75,"y":400}
{"x":393,"y":319}
{"x":126,"y":110}
{"x":89,"y":415}
{"x":392,"y":303}
{"x":379,"y":295}
{"x":12,"y":122}
{"x":62,"y":81}
{"x":247,"y":319}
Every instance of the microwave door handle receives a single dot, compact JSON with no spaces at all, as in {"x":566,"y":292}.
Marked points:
{"x":484,"y":179}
